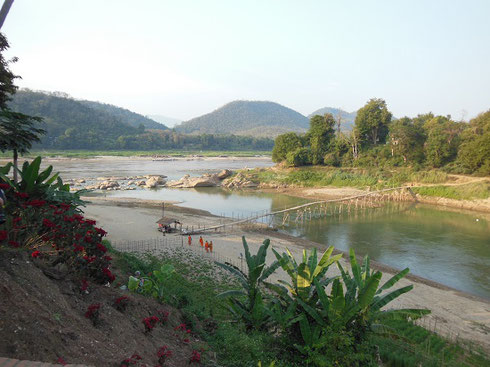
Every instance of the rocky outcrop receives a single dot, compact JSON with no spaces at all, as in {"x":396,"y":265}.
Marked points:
{"x":224,"y":174}
{"x":239,"y":181}
{"x":154,"y":181}
{"x":204,"y":181}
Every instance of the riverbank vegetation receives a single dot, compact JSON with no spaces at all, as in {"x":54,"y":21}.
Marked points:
{"x":377,"y":140}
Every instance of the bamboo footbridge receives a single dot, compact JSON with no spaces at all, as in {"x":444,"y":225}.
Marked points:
{"x":362,"y":201}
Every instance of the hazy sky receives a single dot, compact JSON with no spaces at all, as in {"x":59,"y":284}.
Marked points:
{"x":185,"y":58}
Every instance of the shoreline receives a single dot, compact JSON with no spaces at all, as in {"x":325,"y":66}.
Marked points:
{"x":172,"y":206}
{"x":455,"y":312}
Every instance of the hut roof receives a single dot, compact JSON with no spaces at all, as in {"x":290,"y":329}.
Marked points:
{"x":167,"y":221}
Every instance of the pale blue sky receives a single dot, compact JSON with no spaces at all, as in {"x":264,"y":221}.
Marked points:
{"x":184,"y":58}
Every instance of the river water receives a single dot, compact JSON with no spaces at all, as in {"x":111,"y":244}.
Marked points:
{"x":449,"y":247}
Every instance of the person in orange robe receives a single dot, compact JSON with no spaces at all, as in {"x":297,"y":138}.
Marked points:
{"x":189,"y":240}
{"x":211,"y":246}
{"x":201,"y":241}
{"x":206,"y":245}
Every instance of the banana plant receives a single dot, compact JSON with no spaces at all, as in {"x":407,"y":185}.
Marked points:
{"x":32,"y":181}
{"x":156,"y":283}
{"x":359,"y":309}
{"x":247,"y":303}
{"x":304,"y":274}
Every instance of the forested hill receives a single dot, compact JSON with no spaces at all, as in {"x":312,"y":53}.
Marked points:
{"x":70,"y":124}
{"x":253,"y":118}
{"x":348,"y":118}
{"x":131,"y":118}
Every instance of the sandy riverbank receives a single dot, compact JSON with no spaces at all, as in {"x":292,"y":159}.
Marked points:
{"x":455,"y":314}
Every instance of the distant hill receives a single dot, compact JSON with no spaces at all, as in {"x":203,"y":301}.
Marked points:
{"x":348,"y":118}
{"x":71,"y":124}
{"x":128,"y":117}
{"x":167,"y":121}
{"x":252,"y":118}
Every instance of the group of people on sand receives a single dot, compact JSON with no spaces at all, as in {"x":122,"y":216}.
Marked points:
{"x":204,"y":244}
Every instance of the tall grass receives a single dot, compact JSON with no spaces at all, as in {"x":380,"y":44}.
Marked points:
{"x":479,"y":190}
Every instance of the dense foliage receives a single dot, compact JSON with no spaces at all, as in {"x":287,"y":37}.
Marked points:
{"x":376,"y":141}
{"x":43,"y":216}
{"x":344,"y":120}
{"x":7,"y":78}
{"x":328,"y":326}
{"x":254,"y":118}
{"x":128,"y":117}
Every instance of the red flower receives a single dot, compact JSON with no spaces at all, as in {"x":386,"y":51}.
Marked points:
{"x":65,"y":206}
{"x":14,"y":244}
{"x":163,"y":316}
{"x":88,"y":239}
{"x":100,"y":231}
{"x":181,"y":326}
{"x":78,"y":248}
{"x":109,"y":274}
{"x":16,"y":220}
{"x":195,"y":357}
{"x":84,"y":285}
{"x":93,"y":312}
{"x":36,"y":254}
{"x":89,"y":259}
{"x":107,"y":258}
{"x":163,"y":353}
{"x":4,"y":186}
{"x":3,"y":235}
{"x":61,"y":361}
{"x":48,"y":223}
{"x":22,"y":195}
{"x":36,"y":203}
{"x":150,"y":322}
{"x":69,"y":219}
{"x":186,"y":341}
{"x":90,"y":221}
{"x":101,"y":247}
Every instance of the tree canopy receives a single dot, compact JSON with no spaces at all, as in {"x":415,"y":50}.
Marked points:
{"x":372,"y":122}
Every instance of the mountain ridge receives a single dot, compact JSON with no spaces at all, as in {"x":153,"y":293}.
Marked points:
{"x":242,"y":117}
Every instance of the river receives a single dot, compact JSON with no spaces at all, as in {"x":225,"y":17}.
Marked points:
{"x":449,"y":247}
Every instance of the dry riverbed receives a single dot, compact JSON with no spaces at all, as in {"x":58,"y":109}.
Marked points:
{"x":454,"y":314}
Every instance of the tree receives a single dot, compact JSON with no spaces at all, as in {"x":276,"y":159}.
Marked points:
{"x":284,"y":144}
{"x":474,"y":152}
{"x":7,"y":86}
{"x":407,"y":139}
{"x":443,"y":140}
{"x":18,"y":132}
{"x":299,"y":157}
{"x":320,"y":135}
{"x":372,"y":121}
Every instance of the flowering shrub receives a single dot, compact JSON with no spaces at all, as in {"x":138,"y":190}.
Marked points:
{"x":150,"y":322}
{"x":56,"y":230}
{"x":163,"y":353}
{"x":93,"y":313}
{"x":182,"y":333}
{"x":121,"y":303}
{"x":163,"y":316}
{"x":84,"y":285}
{"x":131,"y":361}
{"x":195,"y":357}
